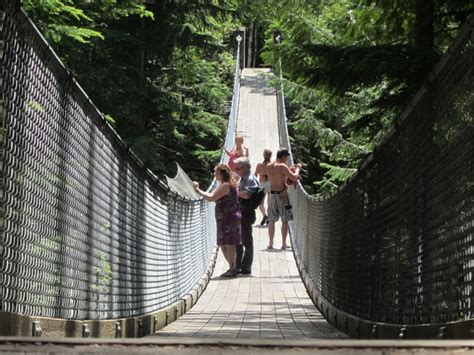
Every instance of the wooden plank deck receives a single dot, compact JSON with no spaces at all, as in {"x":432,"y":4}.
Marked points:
{"x":272,"y":302}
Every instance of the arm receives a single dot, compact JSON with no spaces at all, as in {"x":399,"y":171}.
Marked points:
{"x":244,"y":195}
{"x":226,"y":151}
{"x":250,"y":187}
{"x":257,"y":168}
{"x":289,"y":174}
{"x":217,"y":194}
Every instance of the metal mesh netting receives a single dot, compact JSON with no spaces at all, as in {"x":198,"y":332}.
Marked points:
{"x":88,"y":232}
{"x":182,"y":184}
{"x":395,"y":244}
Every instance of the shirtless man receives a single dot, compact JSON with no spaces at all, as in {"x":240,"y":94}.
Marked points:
{"x":278,"y":202}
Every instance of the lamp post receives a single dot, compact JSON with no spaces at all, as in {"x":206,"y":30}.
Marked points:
{"x":239,"y":37}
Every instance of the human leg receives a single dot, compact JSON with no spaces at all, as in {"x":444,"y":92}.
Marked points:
{"x":284,"y":232}
{"x":271,"y":234}
{"x":239,"y":253}
{"x":225,"y":253}
{"x":232,"y":257}
{"x":273,"y":216}
{"x":248,"y":218}
{"x":286,"y":216}
{"x":229,"y":254}
{"x":261,"y":207}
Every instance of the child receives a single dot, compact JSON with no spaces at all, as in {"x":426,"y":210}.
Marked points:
{"x":237,"y":151}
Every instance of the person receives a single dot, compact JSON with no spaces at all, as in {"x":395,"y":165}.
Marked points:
{"x":248,"y":184}
{"x":261,"y":172}
{"x":239,"y":150}
{"x":278,"y":202}
{"x":228,"y":216}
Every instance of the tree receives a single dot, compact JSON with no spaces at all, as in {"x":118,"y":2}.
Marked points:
{"x":424,"y":22}
{"x":160,"y":69}
{"x":350,"y":67}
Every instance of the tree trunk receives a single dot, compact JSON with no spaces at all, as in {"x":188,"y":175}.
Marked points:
{"x":250,"y":44}
{"x":141,"y":74}
{"x":255,"y":44}
{"x":424,"y":12}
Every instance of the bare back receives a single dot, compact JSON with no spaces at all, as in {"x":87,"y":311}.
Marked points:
{"x":261,"y":172}
{"x":277,"y":175}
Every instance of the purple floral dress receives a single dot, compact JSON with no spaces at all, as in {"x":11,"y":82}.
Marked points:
{"x":228,"y":219}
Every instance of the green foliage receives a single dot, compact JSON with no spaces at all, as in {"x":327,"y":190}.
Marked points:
{"x":350,"y":68}
{"x":80,"y":21}
{"x":33,"y":105}
{"x":160,"y":69}
{"x":80,"y":34}
{"x":109,"y":119}
{"x":103,"y":272}
{"x":335,"y":175}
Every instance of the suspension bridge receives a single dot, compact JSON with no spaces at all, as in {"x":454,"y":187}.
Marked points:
{"x":94,"y":245}
{"x":273,"y":302}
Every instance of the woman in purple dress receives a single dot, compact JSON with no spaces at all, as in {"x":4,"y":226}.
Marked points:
{"x":227,"y":215}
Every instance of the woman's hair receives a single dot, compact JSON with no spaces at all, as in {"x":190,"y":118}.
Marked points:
{"x":267,"y":155}
{"x":225,"y":172}
{"x":240,"y":137}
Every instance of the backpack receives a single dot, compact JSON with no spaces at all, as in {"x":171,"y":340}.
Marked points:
{"x":257,"y":197}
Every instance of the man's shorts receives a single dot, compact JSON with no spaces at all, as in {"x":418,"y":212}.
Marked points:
{"x":279,"y":207}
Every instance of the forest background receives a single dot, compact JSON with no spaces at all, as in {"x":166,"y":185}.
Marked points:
{"x":162,"y":70}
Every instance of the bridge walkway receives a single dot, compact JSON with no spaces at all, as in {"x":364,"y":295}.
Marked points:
{"x":272,"y":302}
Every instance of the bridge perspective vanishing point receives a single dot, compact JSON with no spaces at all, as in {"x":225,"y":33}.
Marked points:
{"x":94,"y":245}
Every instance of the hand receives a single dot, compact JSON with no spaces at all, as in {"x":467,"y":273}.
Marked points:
{"x":299,"y":166}
{"x":196,"y":185}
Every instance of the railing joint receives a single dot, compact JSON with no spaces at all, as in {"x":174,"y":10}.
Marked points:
{"x":374,"y":331}
{"x":442,"y":333}
{"x":402,"y":334}
{"x":118,"y":329}
{"x":36,"y":330}
{"x":86,"y":333}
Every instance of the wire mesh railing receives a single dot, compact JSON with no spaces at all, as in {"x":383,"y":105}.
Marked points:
{"x":87,"y":231}
{"x":395,"y":243}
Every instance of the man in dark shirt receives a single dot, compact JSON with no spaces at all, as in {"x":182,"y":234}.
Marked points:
{"x":247,"y":186}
